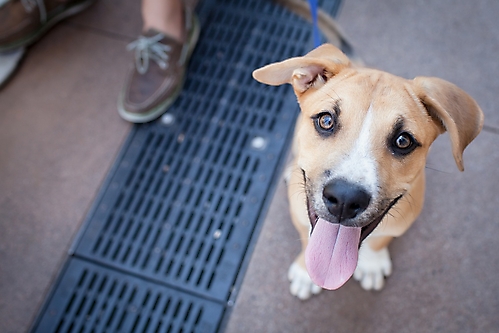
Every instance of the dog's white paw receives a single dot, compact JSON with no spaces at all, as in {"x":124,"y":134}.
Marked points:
{"x":372,"y":268}
{"x":301,"y":285}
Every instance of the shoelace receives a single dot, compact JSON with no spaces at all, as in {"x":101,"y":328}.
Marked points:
{"x":29,"y":5}
{"x":149,"y":48}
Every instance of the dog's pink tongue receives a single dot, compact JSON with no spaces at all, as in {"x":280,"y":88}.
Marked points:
{"x":332,"y":253}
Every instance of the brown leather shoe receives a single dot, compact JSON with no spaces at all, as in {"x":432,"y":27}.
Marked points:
{"x":157,"y":76}
{"x":22,"y":22}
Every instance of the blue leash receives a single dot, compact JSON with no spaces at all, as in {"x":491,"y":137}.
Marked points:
{"x":315,"y":25}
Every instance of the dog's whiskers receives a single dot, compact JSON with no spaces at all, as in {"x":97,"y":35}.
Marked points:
{"x":437,"y":170}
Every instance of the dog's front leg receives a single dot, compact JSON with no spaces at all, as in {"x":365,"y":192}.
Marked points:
{"x":301,"y":285}
{"x":374,"y":263}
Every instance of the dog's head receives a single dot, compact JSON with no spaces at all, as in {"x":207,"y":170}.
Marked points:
{"x":363,"y":135}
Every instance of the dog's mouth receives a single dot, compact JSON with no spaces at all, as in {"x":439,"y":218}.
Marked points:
{"x":365,"y":230}
{"x":332,"y":251}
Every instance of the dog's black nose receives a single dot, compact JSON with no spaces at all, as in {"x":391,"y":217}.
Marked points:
{"x":345,"y":200}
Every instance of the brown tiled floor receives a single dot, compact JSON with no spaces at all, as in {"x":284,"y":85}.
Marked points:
{"x":59,"y":133}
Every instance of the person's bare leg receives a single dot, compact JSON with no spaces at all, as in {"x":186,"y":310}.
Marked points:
{"x":166,"y":16}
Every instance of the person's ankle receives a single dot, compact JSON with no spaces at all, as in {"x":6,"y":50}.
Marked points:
{"x":173,"y":26}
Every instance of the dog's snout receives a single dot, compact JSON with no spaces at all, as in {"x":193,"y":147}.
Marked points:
{"x":345,"y":200}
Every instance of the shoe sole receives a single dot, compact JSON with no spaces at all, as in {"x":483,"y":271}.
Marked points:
{"x":161,"y":108}
{"x":13,"y":61}
{"x":70,"y":11}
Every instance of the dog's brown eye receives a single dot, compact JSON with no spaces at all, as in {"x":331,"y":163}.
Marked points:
{"x":403,"y":144}
{"x":326,"y":122}
{"x":403,"y":141}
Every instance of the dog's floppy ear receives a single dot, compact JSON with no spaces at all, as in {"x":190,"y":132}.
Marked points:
{"x":311,"y":70}
{"x":453,"y":110}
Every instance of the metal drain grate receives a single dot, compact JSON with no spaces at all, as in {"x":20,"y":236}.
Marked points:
{"x":181,"y":204}
{"x":91,"y":298}
{"x":185,"y":211}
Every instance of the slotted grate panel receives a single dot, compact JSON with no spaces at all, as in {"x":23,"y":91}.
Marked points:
{"x":186,"y":197}
{"x":180,"y":217}
{"x":183,"y":199}
{"x":95,"y":299}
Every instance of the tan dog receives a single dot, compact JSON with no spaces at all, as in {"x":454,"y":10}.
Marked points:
{"x":360,"y":148}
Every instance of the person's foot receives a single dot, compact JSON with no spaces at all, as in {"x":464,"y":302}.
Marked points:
{"x":157,"y":76}
{"x":22,"y":22}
